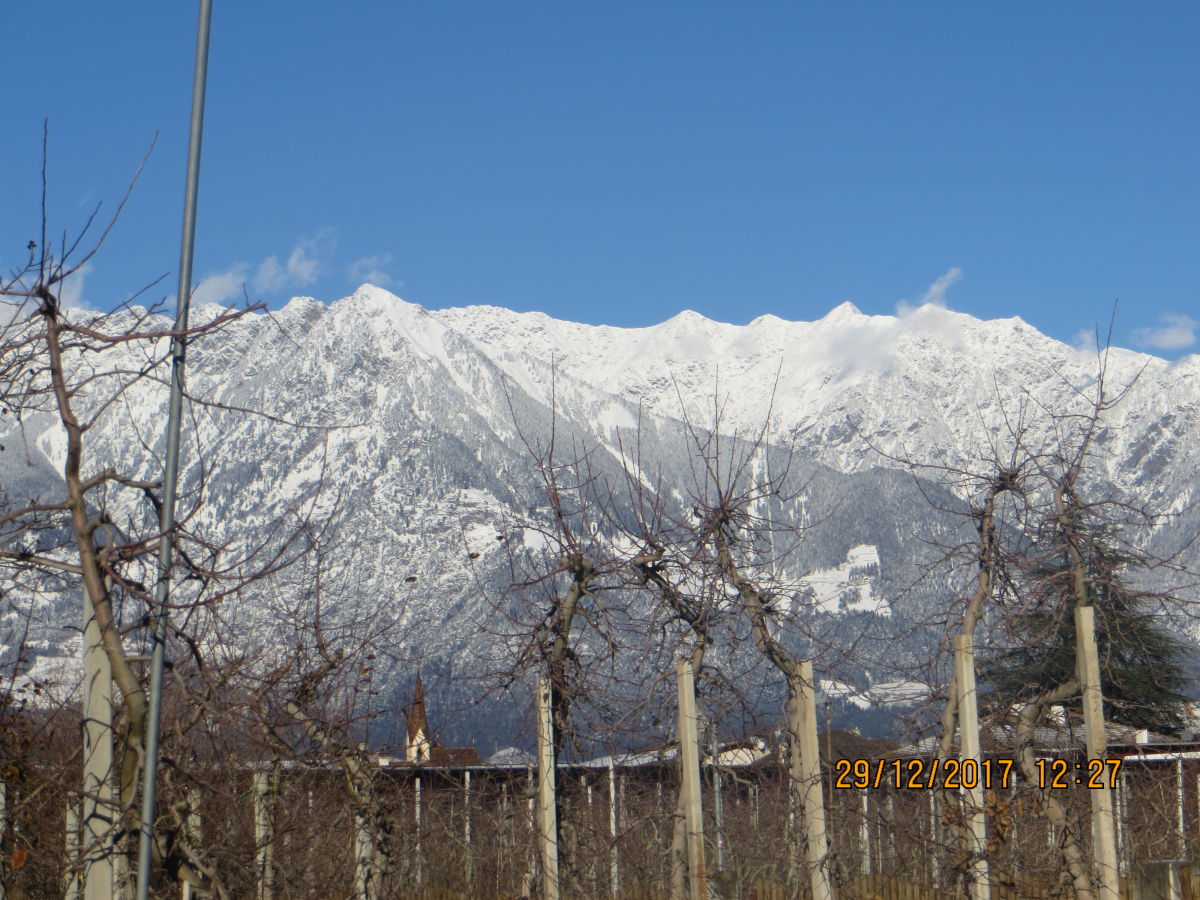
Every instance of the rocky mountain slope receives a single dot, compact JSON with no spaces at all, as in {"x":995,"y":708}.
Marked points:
{"x":409,"y":435}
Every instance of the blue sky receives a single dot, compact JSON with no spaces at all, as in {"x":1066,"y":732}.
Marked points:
{"x":618,"y":162}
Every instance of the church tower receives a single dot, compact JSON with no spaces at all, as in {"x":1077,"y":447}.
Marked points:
{"x":416,"y":738}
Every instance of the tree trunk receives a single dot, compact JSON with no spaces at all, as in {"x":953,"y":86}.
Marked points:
{"x":98,"y":612}
{"x":373,"y":862}
{"x":1053,"y":810}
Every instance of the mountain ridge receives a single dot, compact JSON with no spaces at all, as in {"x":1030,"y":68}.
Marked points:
{"x":413,"y":431}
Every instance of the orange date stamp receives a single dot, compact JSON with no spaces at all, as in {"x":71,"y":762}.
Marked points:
{"x":969,"y":774}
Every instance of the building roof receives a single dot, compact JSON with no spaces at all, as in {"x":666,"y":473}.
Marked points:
{"x":1067,"y":735}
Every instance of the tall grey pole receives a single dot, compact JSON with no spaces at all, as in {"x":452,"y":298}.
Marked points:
{"x":614,"y":872}
{"x":171,"y":469}
{"x":718,"y":806}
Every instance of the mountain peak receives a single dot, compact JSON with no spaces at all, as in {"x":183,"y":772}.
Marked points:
{"x":687,"y":317}
{"x":767,"y":320}
{"x":375,"y":294}
{"x":844,"y":310}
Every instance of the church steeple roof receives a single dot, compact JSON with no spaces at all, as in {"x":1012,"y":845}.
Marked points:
{"x":420,"y":748}
{"x":417,"y":723}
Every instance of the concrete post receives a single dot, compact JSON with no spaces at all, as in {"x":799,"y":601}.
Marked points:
{"x":547,"y":808}
{"x":864,"y":832}
{"x":264,"y":835}
{"x":99,"y":805}
{"x":806,"y":766}
{"x":689,"y":753}
{"x":1103,"y":831}
{"x":614,"y":873}
{"x":968,"y":719}
{"x":467,"y":830}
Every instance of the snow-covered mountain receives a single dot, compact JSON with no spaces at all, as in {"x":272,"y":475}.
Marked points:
{"x":410,"y":432}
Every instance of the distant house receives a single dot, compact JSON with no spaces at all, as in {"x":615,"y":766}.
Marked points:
{"x":898,"y":693}
{"x":736,"y":754}
{"x":1062,"y":732}
{"x":512,"y":757}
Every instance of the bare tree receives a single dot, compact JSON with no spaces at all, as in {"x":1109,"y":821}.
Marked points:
{"x":717,"y":564}
{"x":310,"y":699}
{"x":724,"y":528}
{"x":1035,"y":559}
{"x":568,"y":584}
{"x":93,"y":525}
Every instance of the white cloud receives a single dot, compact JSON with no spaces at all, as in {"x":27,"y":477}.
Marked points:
{"x":369,"y":269}
{"x":303,"y":266}
{"x":936,"y":292}
{"x":1175,"y":333}
{"x":872,"y":343}
{"x":221,"y":287}
{"x":1085,"y":341}
{"x":70,"y":291}
{"x":270,"y":276}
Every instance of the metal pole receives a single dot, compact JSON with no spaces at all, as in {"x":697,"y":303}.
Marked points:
{"x":718,"y":805}
{"x":171,"y":471}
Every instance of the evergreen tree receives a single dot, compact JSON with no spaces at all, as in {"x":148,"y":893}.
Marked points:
{"x":1141,"y":662}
